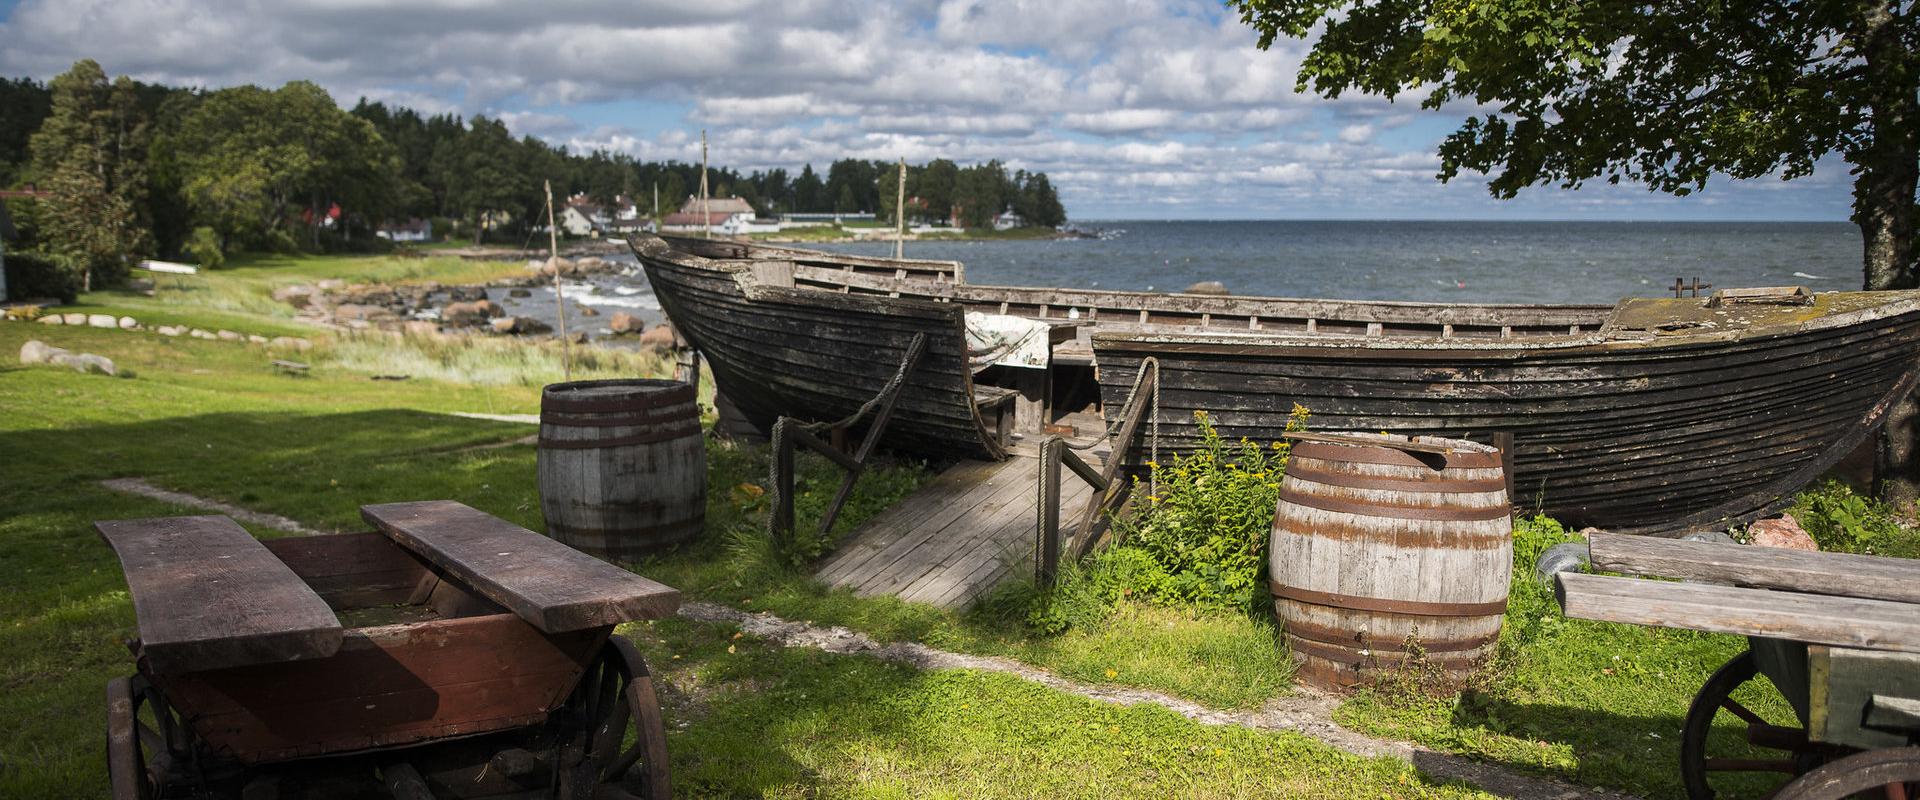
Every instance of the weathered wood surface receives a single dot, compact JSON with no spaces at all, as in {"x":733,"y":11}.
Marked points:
{"x":1849,"y":688}
{"x":950,"y":542}
{"x":1661,"y":435}
{"x":552,"y":586}
{"x":1377,"y":542}
{"x":1810,"y":618}
{"x":208,"y":595}
{"x":622,"y":465}
{"x":1840,"y":574}
{"x":387,"y":686}
{"x":818,"y":356}
{"x":353,"y":569}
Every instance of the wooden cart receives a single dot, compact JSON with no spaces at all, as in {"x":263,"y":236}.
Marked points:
{"x":1837,"y":637}
{"x":449,"y":653}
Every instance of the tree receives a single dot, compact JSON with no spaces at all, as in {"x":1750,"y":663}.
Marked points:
{"x":28,"y":102}
{"x":980,"y":194}
{"x":92,"y":151}
{"x":1665,"y":94}
{"x":935,"y":189}
{"x":809,"y":192}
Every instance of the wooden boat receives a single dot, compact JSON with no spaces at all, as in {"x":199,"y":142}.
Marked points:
{"x":1653,"y":415}
{"x":1678,"y":414}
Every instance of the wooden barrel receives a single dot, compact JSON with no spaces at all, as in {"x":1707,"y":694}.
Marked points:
{"x":1383,"y":544}
{"x":623,"y":467}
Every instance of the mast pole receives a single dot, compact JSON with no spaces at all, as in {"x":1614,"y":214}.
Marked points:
{"x":559,"y":299}
{"x":706,"y":214}
{"x":900,"y":214}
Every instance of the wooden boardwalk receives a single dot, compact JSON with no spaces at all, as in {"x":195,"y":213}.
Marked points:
{"x":954,"y":539}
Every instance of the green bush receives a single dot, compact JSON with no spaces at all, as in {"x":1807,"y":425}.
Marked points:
{"x":1201,"y":541}
{"x":36,"y":275}
{"x":1842,"y":520}
{"x":204,"y":246}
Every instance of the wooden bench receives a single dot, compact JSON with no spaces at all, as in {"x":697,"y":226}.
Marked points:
{"x":552,"y":586}
{"x":208,"y":595}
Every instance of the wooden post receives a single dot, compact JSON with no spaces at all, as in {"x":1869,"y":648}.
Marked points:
{"x":900,"y":214}
{"x":706,"y":216}
{"x":1049,"y":524}
{"x":559,"y":297}
{"x":783,"y":480}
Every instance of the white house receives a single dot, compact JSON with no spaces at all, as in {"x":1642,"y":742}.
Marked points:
{"x":719,"y":210}
{"x":576,"y":222}
{"x":1008,"y":221}
{"x":413,"y":230}
{"x":743,"y":224}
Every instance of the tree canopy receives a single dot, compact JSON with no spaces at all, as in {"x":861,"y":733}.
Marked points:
{"x":1663,"y":93}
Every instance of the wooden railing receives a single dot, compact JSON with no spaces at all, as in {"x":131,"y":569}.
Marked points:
{"x":789,"y":432}
{"x":1109,"y":491}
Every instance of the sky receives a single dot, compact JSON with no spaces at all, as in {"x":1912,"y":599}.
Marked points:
{"x":1136,"y":109}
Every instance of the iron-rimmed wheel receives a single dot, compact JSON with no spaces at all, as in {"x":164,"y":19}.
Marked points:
{"x":142,"y":760}
{"x":616,"y":695}
{"x":1893,"y":771}
{"x":1796,"y":754}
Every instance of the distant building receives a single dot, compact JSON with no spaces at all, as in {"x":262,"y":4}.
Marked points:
{"x":577,"y":221}
{"x":718,"y":211}
{"x":1008,"y":221}
{"x":801,"y":219}
{"x":743,"y":224}
{"x":413,"y":230}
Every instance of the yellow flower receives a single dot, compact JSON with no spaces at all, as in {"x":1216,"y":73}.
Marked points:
{"x":1111,"y":674}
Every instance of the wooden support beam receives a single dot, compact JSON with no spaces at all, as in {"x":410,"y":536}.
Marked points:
{"x":1810,"y":618}
{"x":1838,"y":574}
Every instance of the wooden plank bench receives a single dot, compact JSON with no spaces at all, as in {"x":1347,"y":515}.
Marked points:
{"x":1810,"y":618}
{"x":1839,"y":574}
{"x":208,"y":595}
{"x":552,"y":586}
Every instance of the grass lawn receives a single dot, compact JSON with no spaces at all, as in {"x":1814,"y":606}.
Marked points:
{"x":1595,"y":703}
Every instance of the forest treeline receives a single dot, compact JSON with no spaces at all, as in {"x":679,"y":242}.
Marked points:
{"x":142,"y":169}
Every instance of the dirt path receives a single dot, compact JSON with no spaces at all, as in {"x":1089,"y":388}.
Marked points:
{"x":144,"y":489}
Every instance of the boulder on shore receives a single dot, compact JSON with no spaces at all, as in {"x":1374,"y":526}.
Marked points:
{"x":659,"y":337}
{"x":526,"y":325}
{"x":298,"y":296}
{"x":1783,"y":532}
{"x":589,"y":311}
{"x":361,"y":312}
{"x":466,"y":294}
{"x":623,"y":322}
{"x":520,"y":293}
{"x":1206,"y":287}
{"x":468,"y":314}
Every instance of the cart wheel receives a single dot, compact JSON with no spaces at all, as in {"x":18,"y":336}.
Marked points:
{"x":141,"y":761}
{"x":617,"y":690}
{"x":1797,"y":755}
{"x":1892,"y":773}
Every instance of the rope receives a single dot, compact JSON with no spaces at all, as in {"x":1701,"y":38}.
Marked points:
{"x":1126,"y":410}
{"x":778,"y":439}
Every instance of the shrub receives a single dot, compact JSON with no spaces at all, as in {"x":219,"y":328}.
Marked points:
{"x":35,"y":275}
{"x":204,"y":246}
{"x":1841,"y":520}
{"x":1201,"y":541}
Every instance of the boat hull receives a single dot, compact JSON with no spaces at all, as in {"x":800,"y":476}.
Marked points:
{"x":1651,"y":436}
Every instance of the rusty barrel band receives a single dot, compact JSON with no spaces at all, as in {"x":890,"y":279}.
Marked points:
{"x":648,"y":437}
{"x":1370,"y":509}
{"x":1345,"y":531}
{"x":615,"y":421}
{"x":1349,"y":480}
{"x":1399,"y":458}
{"x":1420,"y":608}
{"x":1352,"y":657}
{"x":1301,"y":629}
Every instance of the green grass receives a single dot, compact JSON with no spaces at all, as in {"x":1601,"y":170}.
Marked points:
{"x":211,"y":418}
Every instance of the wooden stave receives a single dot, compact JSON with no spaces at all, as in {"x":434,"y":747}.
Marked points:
{"x":647,"y":490}
{"x":1349,"y":629}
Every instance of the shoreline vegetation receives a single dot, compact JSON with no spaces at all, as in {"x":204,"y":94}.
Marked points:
{"x":1594,"y":704}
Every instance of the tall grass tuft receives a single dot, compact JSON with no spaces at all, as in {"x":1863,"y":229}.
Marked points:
{"x":487,"y":361}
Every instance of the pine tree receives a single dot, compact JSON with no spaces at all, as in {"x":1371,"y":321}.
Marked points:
{"x":91,"y":151}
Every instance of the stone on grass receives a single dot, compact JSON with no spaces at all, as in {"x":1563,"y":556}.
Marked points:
{"x":85,"y":362}
{"x":420,"y":327}
{"x":51,"y":319}
{"x":200,"y":333}
{"x":298,"y":296}
{"x":231,"y":336}
{"x":39,"y":352}
{"x":331,"y":285}
{"x":74,"y":319}
{"x":1783,"y":532}
{"x":103,"y":321}
{"x":129,"y":323}
{"x":255,"y":338}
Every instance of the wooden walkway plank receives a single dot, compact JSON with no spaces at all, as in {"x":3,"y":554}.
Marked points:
{"x":953,"y":540}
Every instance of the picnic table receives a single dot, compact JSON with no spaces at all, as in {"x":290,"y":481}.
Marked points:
{"x":483,"y":649}
{"x":1835,"y":635}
